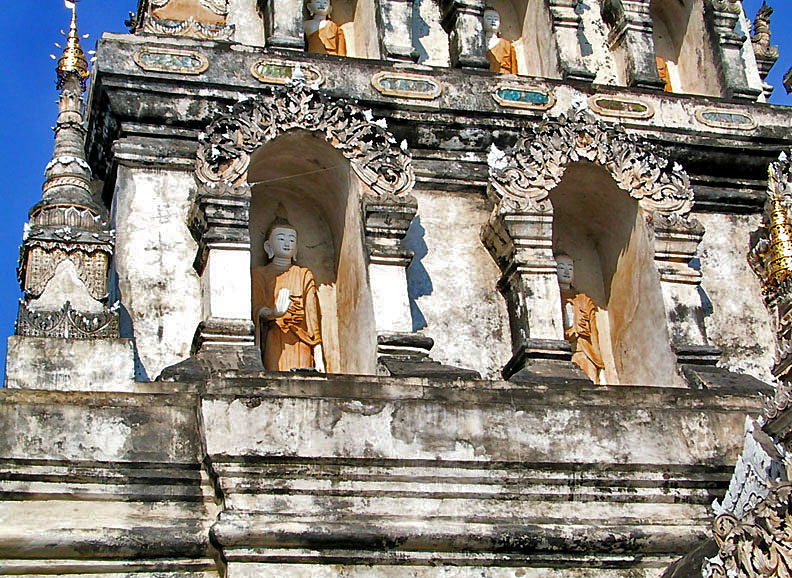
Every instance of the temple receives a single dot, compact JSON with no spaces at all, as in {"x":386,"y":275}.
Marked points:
{"x":420,"y":288}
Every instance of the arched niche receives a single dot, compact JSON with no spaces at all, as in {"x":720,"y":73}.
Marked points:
{"x":320,"y":193}
{"x":527,"y":24}
{"x":682,"y":40}
{"x":359,"y":23}
{"x":584,"y":187}
{"x":346,"y":182}
{"x":605,"y":232}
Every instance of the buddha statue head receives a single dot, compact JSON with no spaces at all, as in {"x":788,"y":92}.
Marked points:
{"x":281,"y":238}
{"x":492,"y":21}
{"x":565,"y":270}
{"x":319,"y":8}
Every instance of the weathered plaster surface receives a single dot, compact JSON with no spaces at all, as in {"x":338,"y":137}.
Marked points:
{"x":158,"y":286}
{"x":429,"y":38}
{"x":452,"y":284}
{"x":736,"y":318}
{"x":593,"y":37}
{"x":70,"y":365}
{"x":247,"y":21}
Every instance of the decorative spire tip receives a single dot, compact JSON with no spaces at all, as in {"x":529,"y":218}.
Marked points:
{"x":73,"y":60}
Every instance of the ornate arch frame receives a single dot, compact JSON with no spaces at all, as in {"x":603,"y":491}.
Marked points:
{"x":375,"y":156}
{"x":219,"y":216}
{"x":519,"y":233}
{"x":524,"y":179}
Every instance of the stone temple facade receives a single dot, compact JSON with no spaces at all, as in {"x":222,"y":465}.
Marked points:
{"x":439,"y":166}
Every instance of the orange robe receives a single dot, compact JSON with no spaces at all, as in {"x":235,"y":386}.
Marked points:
{"x":288,"y":340}
{"x":329,"y":39}
{"x":583,"y":335}
{"x":662,"y":70}
{"x":503,"y":58}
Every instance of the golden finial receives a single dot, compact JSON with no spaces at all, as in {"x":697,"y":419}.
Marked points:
{"x":779,"y":254}
{"x":73,"y":60}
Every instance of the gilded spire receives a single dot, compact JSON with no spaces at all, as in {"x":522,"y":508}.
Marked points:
{"x":779,"y":254}
{"x":73,"y":60}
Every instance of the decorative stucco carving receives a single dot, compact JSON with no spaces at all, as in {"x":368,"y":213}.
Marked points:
{"x":752,"y":528}
{"x":523,"y":180}
{"x":375,"y":156}
{"x":153,"y":17}
{"x":190,"y":27}
{"x":66,"y":323}
{"x":42,"y":259}
{"x":758,"y":545}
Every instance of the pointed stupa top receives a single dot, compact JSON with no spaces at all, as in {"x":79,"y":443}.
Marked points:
{"x":68,"y":175}
{"x":73,"y":61}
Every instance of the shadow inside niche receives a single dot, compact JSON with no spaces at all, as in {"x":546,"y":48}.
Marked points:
{"x":585,"y":46}
{"x":420,"y":29}
{"x":419,"y":283}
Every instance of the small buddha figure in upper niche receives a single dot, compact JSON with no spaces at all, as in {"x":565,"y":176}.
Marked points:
{"x":580,"y":322}
{"x":501,"y":54}
{"x":285,"y":304}
{"x":662,"y":70}
{"x":324,"y":36}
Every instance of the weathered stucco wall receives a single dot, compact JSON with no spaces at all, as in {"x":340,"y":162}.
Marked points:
{"x":735,"y":316}
{"x":452,"y":284}
{"x":159,"y":288}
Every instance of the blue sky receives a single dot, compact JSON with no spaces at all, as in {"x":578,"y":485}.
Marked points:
{"x":28,"y":104}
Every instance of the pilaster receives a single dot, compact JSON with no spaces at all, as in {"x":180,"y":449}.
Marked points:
{"x":566,"y":28}
{"x":521,"y":242}
{"x":219,"y":223}
{"x":722,"y":18}
{"x":463,"y":21}
{"x":631,"y":32}
{"x":676,"y":242}
{"x":283,"y":23}
{"x":394,"y":19}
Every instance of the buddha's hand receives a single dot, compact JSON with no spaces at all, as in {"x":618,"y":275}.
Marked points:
{"x":281,"y":306}
{"x":282,"y":302}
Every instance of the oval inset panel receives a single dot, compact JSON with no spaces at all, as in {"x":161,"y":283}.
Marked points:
{"x":171,"y":60}
{"x":724,"y":118}
{"x":513,"y":96}
{"x":281,"y":71}
{"x":406,"y":85}
{"x":620,"y":107}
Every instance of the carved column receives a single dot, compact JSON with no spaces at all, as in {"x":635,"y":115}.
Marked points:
{"x":630,"y":34}
{"x":283,"y":23}
{"x":462,"y":20}
{"x":394,"y":19}
{"x":566,"y":26}
{"x":219,"y":222}
{"x":722,"y":18}
{"x":676,"y":242}
{"x":520,"y":240}
{"x":386,"y":219}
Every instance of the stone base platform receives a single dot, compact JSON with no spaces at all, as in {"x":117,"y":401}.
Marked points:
{"x":293,"y":475}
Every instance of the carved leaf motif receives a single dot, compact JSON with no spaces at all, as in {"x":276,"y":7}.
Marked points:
{"x":757,"y":545}
{"x":225,"y":148}
{"x":537,"y":165}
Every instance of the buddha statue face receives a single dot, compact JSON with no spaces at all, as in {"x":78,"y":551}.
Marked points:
{"x":565,"y":270}
{"x":492,"y":21}
{"x":319,"y":8}
{"x":281,"y":244}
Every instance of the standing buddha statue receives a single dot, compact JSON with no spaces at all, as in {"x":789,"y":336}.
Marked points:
{"x":286,"y":305}
{"x":580,"y":321}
